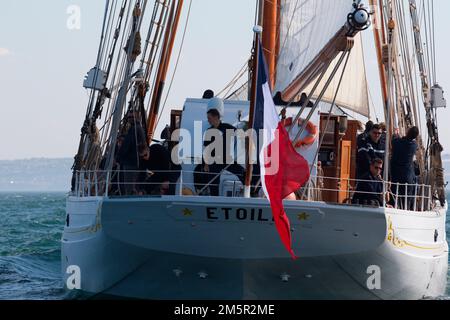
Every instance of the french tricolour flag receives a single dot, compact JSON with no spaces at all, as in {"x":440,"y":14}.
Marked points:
{"x":283,"y":170}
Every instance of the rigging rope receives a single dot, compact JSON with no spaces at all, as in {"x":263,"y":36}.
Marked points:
{"x":109,"y":29}
{"x":291,"y":20}
{"x":121,"y":63}
{"x":328,"y":119}
{"x":372,"y":104}
{"x":319,"y":98}
{"x":434,"y":40}
{"x":119,"y":70}
{"x":99,"y":58}
{"x":234,"y":80}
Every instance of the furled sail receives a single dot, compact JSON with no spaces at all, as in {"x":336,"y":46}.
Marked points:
{"x":306,"y":27}
{"x":352,"y":94}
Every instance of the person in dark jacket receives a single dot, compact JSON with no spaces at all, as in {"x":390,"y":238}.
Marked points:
{"x":117,"y":177}
{"x":155,"y":168}
{"x":384,"y":134}
{"x":363,"y":136}
{"x":128,"y":154}
{"x":219,"y":160}
{"x":369,"y":191}
{"x":371,"y":148}
{"x":402,"y":165}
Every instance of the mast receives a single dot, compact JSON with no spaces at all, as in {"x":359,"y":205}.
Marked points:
{"x":253,"y":91}
{"x":250,"y":144}
{"x":270,"y":36}
{"x":379,"y":40}
{"x":389,"y":102}
{"x":169,"y":40}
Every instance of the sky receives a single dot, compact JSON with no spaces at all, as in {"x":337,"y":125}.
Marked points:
{"x":43,"y":63}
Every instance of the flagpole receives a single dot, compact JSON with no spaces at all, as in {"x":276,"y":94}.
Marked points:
{"x":249,"y":152}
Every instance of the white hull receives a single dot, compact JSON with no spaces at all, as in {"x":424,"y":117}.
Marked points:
{"x":191,"y":248}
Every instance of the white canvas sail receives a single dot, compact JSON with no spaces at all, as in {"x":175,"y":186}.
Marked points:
{"x":306,"y":27}
{"x":352,"y":94}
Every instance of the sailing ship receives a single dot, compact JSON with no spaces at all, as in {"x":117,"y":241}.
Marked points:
{"x":191,"y":245}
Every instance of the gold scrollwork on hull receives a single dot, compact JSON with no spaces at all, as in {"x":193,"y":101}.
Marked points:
{"x":391,"y":237}
{"x":399,"y":243}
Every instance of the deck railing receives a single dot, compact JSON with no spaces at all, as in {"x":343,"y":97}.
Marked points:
{"x":415,"y":197}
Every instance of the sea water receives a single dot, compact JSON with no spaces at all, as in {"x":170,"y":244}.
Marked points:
{"x":30,"y":234}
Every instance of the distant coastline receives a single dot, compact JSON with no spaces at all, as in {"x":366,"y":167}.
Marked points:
{"x":53,"y":175}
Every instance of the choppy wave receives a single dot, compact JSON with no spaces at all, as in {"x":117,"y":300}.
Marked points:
{"x":31,"y":277}
{"x":30,"y":245}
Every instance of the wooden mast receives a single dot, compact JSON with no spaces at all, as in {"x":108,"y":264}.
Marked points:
{"x":253,"y":92}
{"x":249,"y":142}
{"x":270,"y":36}
{"x":169,"y":40}
{"x":379,"y":40}
{"x":269,"y":20}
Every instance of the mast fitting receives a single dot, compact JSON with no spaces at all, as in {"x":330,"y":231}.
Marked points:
{"x":391,"y":24}
{"x":258,"y":29}
{"x":358,"y":20}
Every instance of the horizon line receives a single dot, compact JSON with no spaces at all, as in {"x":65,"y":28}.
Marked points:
{"x":37,"y":158}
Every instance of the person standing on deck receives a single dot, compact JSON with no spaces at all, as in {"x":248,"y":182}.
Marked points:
{"x":402,"y":165}
{"x":363,"y":136}
{"x":219,"y":159}
{"x":371,"y":148}
{"x":128,"y":155}
{"x":157,"y":170}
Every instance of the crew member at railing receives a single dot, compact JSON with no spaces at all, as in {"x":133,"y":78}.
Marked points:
{"x":128,"y":155}
{"x":369,"y":190}
{"x":371,"y":149}
{"x":402,"y":166}
{"x":116,"y":187}
{"x":154,"y":169}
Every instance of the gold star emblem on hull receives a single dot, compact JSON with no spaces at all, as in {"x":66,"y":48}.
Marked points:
{"x":303,"y":216}
{"x":187,"y":212}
